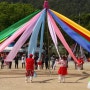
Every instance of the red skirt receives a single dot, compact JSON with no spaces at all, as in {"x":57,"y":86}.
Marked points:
{"x":62,"y":71}
{"x":39,"y":63}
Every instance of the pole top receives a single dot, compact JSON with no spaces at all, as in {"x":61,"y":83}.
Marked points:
{"x":46,"y":5}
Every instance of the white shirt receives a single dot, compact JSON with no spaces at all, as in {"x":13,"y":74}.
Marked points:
{"x":23,"y":59}
{"x":62,"y":63}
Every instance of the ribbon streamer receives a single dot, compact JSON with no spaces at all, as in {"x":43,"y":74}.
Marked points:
{"x":53,"y":34}
{"x":34,"y":36}
{"x":60,"y":36}
{"x":41,"y":38}
{"x":18,"y":32}
{"x":10,"y":30}
{"x":19,"y":43}
{"x":22,"y":39}
{"x":79,"y":29}
{"x":79,"y":39}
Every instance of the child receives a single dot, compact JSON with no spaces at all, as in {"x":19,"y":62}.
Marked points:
{"x":80,"y":65}
{"x":62,"y":70}
{"x":39,"y":62}
{"x":29,"y":68}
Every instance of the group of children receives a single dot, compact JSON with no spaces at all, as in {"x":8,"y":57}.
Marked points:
{"x":62,"y":71}
{"x":62,"y":62}
{"x":30,"y":68}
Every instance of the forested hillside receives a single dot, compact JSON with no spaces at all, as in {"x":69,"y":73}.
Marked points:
{"x":66,"y":7}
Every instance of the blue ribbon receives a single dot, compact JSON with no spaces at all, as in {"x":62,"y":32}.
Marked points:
{"x":41,"y":38}
{"x":34,"y":36}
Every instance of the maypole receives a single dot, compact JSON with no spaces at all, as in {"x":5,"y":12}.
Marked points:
{"x":46,"y":6}
{"x":33,"y":27}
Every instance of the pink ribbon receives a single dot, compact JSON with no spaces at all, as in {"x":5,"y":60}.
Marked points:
{"x":18,"y":32}
{"x":19,"y":43}
{"x":53,"y":34}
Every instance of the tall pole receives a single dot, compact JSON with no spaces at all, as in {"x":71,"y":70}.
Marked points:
{"x":46,"y":6}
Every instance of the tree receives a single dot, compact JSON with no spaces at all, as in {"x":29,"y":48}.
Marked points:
{"x":11,"y":13}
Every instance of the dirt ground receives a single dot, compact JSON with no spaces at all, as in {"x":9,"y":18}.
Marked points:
{"x":14,"y":79}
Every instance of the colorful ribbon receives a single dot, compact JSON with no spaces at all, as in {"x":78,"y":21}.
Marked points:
{"x":18,"y":32}
{"x":60,"y":36}
{"x":22,"y":39}
{"x":79,"y":29}
{"x":53,"y":34}
{"x":33,"y":39}
{"x":78,"y":38}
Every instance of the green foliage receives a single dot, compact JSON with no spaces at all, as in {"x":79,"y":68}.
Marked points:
{"x":11,"y":13}
{"x":83,"y":20}
{"x":66,"y":7}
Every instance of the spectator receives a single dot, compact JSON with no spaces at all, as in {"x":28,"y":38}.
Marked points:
{"x":80,"y":65}
{"x":16,"y":61}
{"x":46,"y":62}
{"x":36,"y":58}
{"x":2,"y":61}
{"x":23,"y":58}
{"x":53,"y":58}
